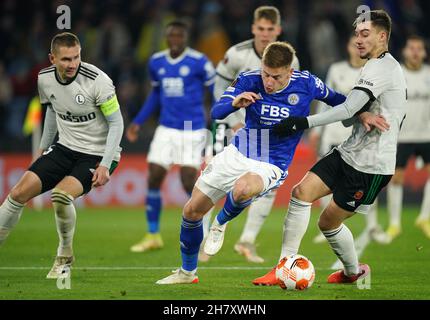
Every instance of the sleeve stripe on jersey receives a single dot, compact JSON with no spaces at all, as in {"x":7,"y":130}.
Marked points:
{"x":95,"y":74}
{"x":47,"y":71}
{"x":82,"y":72}
{"x":369,"y":93}
{"x":227,"y":96}
{"x":224,"y":77}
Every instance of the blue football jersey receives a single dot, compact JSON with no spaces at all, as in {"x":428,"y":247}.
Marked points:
{"x":256,"y":140}
{"x":182,"y":81}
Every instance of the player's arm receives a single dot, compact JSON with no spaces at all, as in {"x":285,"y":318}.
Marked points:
{"x":152,"y":104}
{"x":354,"y":103}
{"x":228,"y":105}
{"x":49,"y":130}
{"x":107,"y":101}
{"x":49,"y":125}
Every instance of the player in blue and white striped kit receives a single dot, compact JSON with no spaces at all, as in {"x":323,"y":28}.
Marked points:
{"x":257,"y":159}
{"x":179,"y":76}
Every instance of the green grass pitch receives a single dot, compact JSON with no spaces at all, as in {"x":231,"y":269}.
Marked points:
{"x":106,"y":269}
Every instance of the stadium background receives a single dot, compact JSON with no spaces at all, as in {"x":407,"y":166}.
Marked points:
{"x":119,"y":37}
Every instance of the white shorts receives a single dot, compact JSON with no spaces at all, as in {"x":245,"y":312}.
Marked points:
{"x":226,"y":167}
{"x":172,"y":146}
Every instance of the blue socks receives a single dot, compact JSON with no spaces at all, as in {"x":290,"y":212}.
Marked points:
{"x":190,"y":240}
{"x":153,"y":209}
{"x":231,"y":209}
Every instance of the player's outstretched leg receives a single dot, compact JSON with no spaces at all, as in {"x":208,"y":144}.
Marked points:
{"x":10,"y":213}
{"x":394,"y":202}
{"x":341,"y":241}
{"x":203,"y":257}
{"x":230,"y":210}
{"x":295,"y":225}
{"x":319,"y":238}
{"x":27,"y":188}
{"x":296,"y":221}
{"x":423,"y":220}
{"x":65,"y":218}
{"x":190,"y":239}
{"x":257,"y":214}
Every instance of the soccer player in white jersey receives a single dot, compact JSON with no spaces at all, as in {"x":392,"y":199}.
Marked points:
{"x":357,"y":170}
{"x":179,"y":79}
{"x":342,"y":77}
{"x":414,"y":138}
{"x":242,"y":57}
{"x":82,"y":106}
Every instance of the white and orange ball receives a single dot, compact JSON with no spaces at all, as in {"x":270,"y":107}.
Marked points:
{"x":295,"y":272}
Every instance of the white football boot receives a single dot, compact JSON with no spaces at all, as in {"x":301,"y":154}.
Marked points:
{"x":61,"y":268}
{"x":179,"y":276}
{"x":215,"y":238}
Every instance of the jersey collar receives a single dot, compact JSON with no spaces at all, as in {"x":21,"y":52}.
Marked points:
{"x":69,"y":81}
{"x":255,"y":50}
{"x":382,"y":54}
{"x":177,"y":59}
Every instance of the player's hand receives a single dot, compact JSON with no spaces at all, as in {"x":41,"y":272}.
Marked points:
{"x":100,"y":177}
{"x":291,"y":125}
{"x":132,"y":132}
{"x":370,"y":121}
{"x":245,"y":99}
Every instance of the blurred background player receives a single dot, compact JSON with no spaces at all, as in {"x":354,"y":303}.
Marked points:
{"x":342,"y":77}
{"x":178,"y":78}
{"x":257,"y":160}
{"x":245,"y":56}
{"x":82,"y":105}
{"x":414,"y":138}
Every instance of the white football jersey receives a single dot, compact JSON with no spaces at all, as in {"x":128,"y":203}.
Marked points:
{"x":416,"y":126}
{"x":374,"y":152}
{"x":341,"y":77}
{"x":81,"y":124}
{"x":239,"y":58}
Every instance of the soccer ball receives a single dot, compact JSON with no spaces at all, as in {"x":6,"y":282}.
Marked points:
{"x":295,"y":272}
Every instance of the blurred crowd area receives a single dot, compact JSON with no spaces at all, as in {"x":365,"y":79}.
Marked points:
{"x":120,"y":36}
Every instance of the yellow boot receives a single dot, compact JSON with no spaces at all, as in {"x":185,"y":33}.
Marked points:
{"x":151,"y":241}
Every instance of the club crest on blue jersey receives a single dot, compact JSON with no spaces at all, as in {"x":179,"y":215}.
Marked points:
{"x":293,"y":99}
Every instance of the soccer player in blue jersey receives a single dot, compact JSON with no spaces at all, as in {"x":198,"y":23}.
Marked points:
{"x":179,"y":76}
{"x":257,"y":160}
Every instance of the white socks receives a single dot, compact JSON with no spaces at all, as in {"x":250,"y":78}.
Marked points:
{"x":257,"y":214}
{"x":425,"y":206}
{"x":65,"y":217}
{"x":295,"y":225}
{"x":10,"y":212}
{"x":395,"y":198}
{"x":342,"y":243}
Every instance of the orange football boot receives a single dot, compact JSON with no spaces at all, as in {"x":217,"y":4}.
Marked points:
{"x":340,"y":277}
{"x":268,"y":279}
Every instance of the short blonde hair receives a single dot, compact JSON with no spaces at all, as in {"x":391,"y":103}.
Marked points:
{"x":267,"y":12}
{"x":278,"y":54}
{"x":65,"y":39}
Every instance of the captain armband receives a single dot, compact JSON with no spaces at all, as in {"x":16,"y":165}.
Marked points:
{"x":110,"y":106}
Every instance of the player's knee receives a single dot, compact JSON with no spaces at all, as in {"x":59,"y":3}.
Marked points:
{"x":60,"y":199}
{"x":19,"y":195}
{"x":192,"y":211}
{"x":299,"y":192}
{"x":241,"y":191}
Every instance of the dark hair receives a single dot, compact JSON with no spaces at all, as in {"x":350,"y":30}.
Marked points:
{"x":177,"y":24}
{"x":415,"y":37}
{"x":379,"y":18}
{"x":267,"y":12}
{"x":65,"y":39}
{"x":278,"y":54}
